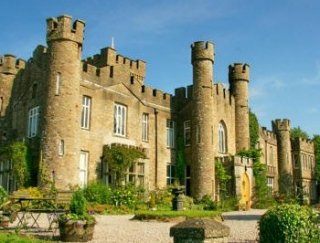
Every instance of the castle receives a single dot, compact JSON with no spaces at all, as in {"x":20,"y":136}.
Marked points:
{"x":67,"y":109}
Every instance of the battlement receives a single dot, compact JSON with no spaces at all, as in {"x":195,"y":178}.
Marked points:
{"x":62,"y":28}
{"x":281,"y":125}
{"x":109,"y":57}
{"x":239,"y":72}
{"x":267,"y":134}
{"x":9,"y":64}
{"x":148,"y":94}
{"x":222,"y":93}
{"x":202,"y":50}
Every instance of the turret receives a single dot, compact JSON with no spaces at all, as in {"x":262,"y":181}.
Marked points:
{"x":202,"y":166}
{"x":10,"y":65}
{"x":239,"y":80}
{"x":282,"y":130}
{"x":61,"y":118}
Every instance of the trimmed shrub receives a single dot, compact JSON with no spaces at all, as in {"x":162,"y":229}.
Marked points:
{"x":289,"y":223}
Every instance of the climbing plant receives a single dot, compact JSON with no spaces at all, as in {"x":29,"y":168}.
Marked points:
{"x":253,"y":129}
{"x":222,"y":176}
{"x":120,"y":158}
{"x":180,"y":160}
{"x":17,"y":153}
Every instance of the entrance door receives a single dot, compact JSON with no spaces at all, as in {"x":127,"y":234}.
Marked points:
{"x":83,"y":169}
{"x":245,"y":191}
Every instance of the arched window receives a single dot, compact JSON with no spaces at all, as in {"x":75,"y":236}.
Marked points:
{"x":222,"y":135}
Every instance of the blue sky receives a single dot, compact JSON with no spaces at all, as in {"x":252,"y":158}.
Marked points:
{"x":279,"y":39}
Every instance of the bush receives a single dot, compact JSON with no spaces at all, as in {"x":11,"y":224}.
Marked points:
{"x":208,"y":203}
{"x":162,"y":198}
{"x":98,"y":192}
{"x":128,"y":195}
{"x":3,"y":195}
{"x":78,"y":204}
{"x":288,"y":223}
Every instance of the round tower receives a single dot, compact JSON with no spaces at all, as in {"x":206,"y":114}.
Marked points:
{"x":282,"y":130}
{"x":62,"y":110}
{"x":202,"y":167}
{"x":239,"y":80}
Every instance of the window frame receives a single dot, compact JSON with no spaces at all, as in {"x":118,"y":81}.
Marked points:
{"x":86,"y":112}
{"x":33,"y":121}
{"x":222,"y":138}
{"x":170,"y":174}
{"x":170,"y":127}
{"x":120,"y":120}
{"x":145,"y":127}
{"x":187,"y":132}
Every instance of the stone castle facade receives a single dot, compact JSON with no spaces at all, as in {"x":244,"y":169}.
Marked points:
{"x":67,"y":109}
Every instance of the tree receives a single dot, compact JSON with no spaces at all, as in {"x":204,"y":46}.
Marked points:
{"x":316,"y":142}
{"x":120,"y":158}
{"x":253,"y":129}
{"x":297,"y":132}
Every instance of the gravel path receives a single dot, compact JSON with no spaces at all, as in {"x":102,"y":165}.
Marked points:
{"x":243,"y":225}
{"x":120,"y":228}
{"x":113,"y":229}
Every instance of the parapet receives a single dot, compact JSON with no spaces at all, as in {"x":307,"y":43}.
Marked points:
{"x":109,"y":57}
{"x":281,"y":125}
{"x":62,"y":28}
{"x":148,"y":94}
{"x":239,"y":72}
{"x":266,"y":134}
{"x":202,"y":50}
{"x":9,"y":64}
{"x":222,"y":93}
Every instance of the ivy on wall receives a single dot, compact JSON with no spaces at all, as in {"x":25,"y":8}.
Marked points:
{"x":17,"y":152}
{"x":120,"y":158}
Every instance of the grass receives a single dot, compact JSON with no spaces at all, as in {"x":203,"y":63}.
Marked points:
{"x":166,"y":214}
{"x":12,"y":237}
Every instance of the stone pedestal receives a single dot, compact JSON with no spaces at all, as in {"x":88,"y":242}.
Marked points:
{"x":200,"y":231}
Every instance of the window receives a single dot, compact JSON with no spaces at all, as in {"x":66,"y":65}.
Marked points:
{"x":120,"y":120}
{"x":222,"y":138}
{"x":170,"y":134}
{"x":6,"y":174}
{"x":61,"y":147}
{"x":270,"y":182}
{"x":33,"y":122}
{"x":187,"y":133}
{"x":171,"y":174}
{"x":83,"y":169}
{"x":145,"y":127}
{"x":135,"y":174}
{"x":270,"y":155}
{"x":86,"y":112}
{"x":58,"y":84}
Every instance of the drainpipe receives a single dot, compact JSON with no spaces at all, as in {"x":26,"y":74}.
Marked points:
{"x":156,"y":145}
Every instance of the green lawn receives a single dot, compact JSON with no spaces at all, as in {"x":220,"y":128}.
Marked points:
{"x":168,"y":214}
{"x":12,"y":237}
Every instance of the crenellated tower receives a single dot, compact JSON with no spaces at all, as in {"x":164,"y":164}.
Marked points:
{"x":61,"y":119}
{"x":202,"y":167}
{"x":239,"y":81}
{"x":282,"y":130}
